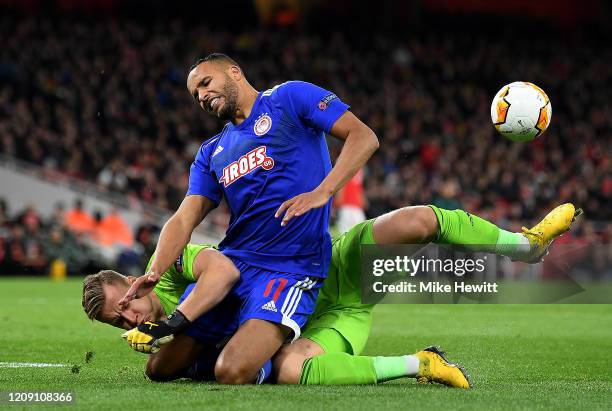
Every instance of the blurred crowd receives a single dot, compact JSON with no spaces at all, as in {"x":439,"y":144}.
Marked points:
{"x":71,"y":242}
{"x":105,"y":100}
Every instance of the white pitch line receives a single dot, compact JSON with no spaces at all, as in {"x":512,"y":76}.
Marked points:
{"x":29,"y":365}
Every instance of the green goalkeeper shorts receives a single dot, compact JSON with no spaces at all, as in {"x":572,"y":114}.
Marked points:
{"x":340,"y":322}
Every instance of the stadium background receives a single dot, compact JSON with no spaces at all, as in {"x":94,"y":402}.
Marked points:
{"x":93,"y":99}
{"x":93,"y":107}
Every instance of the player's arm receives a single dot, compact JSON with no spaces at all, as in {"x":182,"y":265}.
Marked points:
{"x":360,"y":143}
{"x":177,"y":231}
{"x":173,"y":238}
{"x":215,"y":276}
{"x":203,"y":195}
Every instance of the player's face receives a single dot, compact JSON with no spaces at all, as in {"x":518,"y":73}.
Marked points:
{"x":214,"y":90}
{"x":136,"y":312}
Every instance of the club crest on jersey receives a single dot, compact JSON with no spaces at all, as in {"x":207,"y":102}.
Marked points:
{"x":245,"y":164}
{"x":262,"y":125}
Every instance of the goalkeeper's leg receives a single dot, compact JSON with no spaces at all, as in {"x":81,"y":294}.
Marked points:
{"x":305,"y":362}
{"x":424,"y":224}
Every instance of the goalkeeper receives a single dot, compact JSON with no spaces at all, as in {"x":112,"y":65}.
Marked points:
{"x":328,"y":352}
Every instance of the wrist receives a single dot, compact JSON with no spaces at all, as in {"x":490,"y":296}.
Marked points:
{"x":177,"y":321}
{"x":326,"y":189}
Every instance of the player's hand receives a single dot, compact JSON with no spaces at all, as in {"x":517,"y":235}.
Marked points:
{"x":141,"y":341}
{"x":300,"y":204}
{"x":142,"y":286}
{"x":148,"y":336}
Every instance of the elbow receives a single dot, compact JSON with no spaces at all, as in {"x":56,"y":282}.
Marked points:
{"x":372,"y":141}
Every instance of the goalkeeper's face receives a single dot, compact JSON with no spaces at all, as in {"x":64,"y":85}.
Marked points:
{"x":137,"y":311}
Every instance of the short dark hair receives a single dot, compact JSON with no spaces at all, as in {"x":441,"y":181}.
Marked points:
{"x":217,"y":58}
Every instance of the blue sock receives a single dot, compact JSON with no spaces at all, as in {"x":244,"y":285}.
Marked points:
{"x":264,"y":373}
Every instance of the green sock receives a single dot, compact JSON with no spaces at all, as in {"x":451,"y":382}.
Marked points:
{"x":391,"y":368}
{"x":472,"y":233}
{"x":514,"y":245}
{"x":343,"y":368}
{"x":338,"y":369}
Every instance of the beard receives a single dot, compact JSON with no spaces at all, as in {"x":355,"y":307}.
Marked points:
{"x":230,"y":92}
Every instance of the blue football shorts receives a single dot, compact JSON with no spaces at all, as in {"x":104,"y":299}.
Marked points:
{"x":282,"y":298}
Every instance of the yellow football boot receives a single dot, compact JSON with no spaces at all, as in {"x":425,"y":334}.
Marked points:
{"x":434,"y":367}
{"x":541,"y":236}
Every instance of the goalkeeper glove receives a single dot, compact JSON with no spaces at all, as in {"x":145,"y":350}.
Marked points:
{"x":148,"y":336}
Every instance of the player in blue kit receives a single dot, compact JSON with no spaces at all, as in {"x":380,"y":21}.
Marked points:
{"x":269,"y":162}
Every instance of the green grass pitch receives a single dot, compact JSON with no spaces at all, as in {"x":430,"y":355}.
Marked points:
{"x":519,"y":357}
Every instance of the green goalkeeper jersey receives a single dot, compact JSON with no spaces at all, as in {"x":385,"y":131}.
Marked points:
{"x":175,"y":280}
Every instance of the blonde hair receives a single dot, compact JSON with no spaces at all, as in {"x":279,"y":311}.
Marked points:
{"x":93,"y":292}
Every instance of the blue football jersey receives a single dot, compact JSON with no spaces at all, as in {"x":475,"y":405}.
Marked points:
{"x":278,"y":152}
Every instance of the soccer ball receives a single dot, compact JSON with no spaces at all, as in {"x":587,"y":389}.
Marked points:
{"x":521,"y":111}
